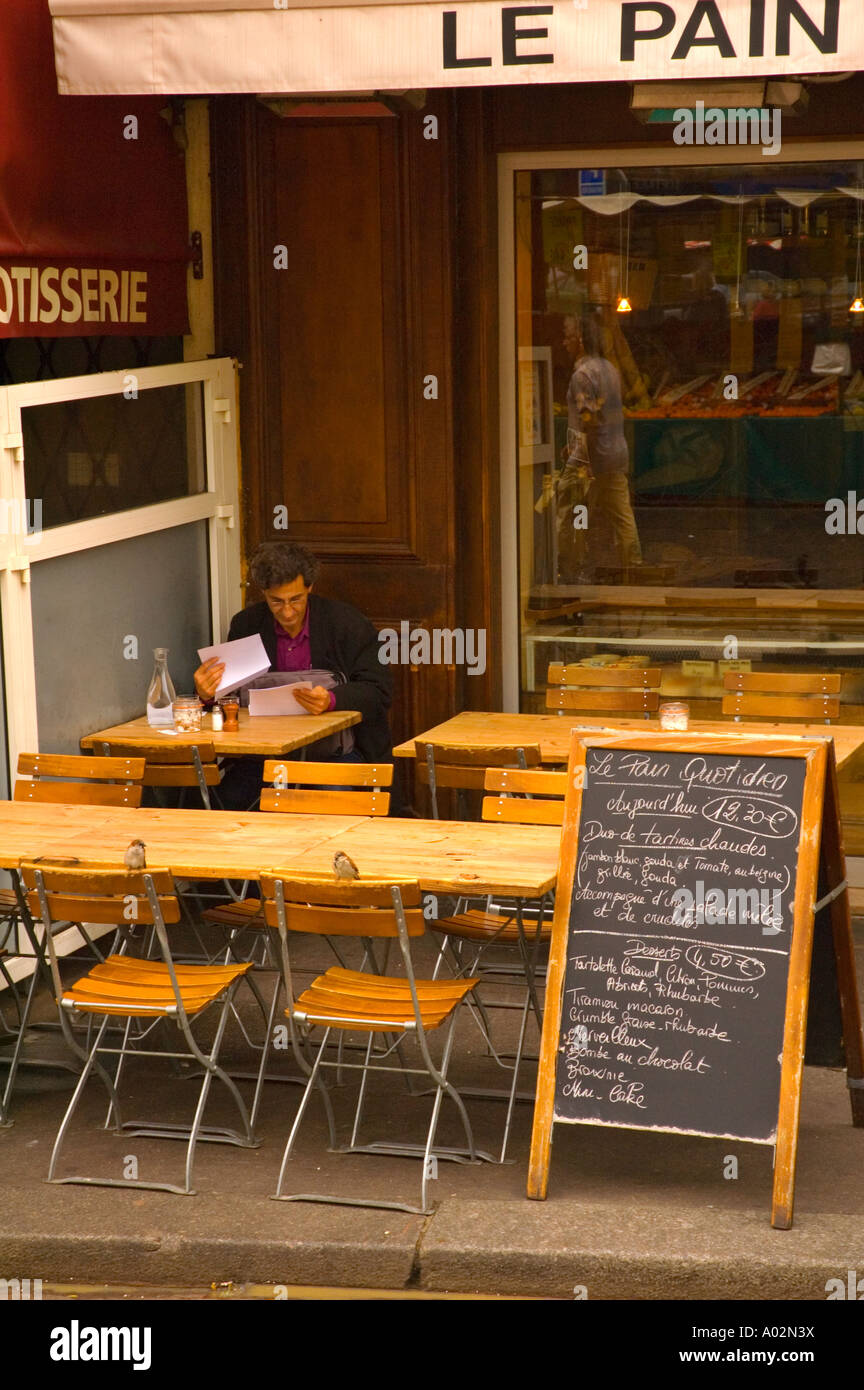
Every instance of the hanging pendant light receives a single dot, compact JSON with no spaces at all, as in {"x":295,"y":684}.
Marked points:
{"x":857,"y":305}
{"x":623,"y":305}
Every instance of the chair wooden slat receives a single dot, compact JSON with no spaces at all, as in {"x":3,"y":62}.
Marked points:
{"x":171,"y":753}
{"x":784,"y":682}
{"x":77,"y":793}
{"x":326,"y":891}
{"x":513,"y":779}
{"x":328,"y":774}
{"x":62,"y":877}
{"x":69,"y":908}
{"x":808,"y":708}
{"x":179,"y":775}
{"x":338,"y":921}
{"x":459,"y":756}
{"x":129,"y":769}
{"x":614,"y":677}
{"x":325,"y":802}
{"x":478,"y":925}
{"x":519,"y":810}
{"x":462,"y":778}
{"x":644,"y":700}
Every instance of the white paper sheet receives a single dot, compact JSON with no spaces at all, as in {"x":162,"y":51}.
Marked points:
{"x":277,"y":699}
{"x":245,"y":658}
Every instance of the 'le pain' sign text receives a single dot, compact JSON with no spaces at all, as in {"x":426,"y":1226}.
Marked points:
{"x":727,"y":30}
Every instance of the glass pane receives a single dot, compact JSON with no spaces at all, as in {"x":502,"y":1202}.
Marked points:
{"x":690,"y":403}
{"x":105,"y":454}
{"x":41,"y":359}
{"x":97,"y":616}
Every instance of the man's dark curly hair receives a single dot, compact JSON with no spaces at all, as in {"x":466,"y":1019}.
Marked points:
{"x":279,"y":562}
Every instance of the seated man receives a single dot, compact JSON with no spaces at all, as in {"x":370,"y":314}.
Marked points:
{"x":302,"y":631}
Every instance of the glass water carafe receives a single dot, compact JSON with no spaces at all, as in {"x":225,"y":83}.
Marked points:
{"x":160,"y":693}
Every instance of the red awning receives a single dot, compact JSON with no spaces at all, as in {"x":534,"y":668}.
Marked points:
{"x":93,"y":224}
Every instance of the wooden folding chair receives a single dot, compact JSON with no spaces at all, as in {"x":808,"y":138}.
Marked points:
{"x":336,"y":789}
{"x":86,"y":781}
{"x":447,"y":765}
{"x":60,"y":779}
{"x":180,"y":765}
{"x":603,"y":689}
{"x":140,"y":991}
{"x":387,"y":1008}
{"x":524,"y":798}
{"x":183,"y":766}
{"x":809,"y":696}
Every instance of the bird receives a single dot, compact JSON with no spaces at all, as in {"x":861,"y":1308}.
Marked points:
{"x":134,"y":856}
{"x":343,"y":866}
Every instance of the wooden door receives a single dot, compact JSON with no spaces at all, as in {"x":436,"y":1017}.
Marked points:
{"x":333,"y":276}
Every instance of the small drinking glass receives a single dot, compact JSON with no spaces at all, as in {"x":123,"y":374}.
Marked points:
{"x":675,"y":715}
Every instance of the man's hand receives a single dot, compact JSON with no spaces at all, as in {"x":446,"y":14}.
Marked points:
{"x":314,"y":701}
{"x":208,"y":676}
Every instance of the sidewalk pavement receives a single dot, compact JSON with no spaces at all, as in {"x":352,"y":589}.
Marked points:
{"x":629,"y":1215}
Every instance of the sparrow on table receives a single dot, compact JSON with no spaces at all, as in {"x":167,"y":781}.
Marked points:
{"x":134,"y":856}
{"x":343,"y":866}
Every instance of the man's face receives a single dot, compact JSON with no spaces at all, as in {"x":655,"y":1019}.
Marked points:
{"x":288,"y":604}
{"x":572,"y":338}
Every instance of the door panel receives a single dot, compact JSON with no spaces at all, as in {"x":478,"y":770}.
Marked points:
{"x":341,"y":424}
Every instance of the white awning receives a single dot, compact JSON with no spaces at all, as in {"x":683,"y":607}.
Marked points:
{"x":286,"y":46}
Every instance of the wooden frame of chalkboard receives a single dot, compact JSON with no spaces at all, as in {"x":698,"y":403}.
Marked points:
{"x":682,"y":941}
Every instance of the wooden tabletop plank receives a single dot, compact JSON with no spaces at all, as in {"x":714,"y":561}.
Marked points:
{"x":450,"y":856}
{"x":267,"y":736}
{"x":481,"y":729}
{"x":192,"y":844}
{"x":446,"y":856}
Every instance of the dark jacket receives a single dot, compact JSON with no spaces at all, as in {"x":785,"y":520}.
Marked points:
{"x":346,"y":643}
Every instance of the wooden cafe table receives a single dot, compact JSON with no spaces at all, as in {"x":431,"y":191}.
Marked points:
{"x":444,"y":856}
{"x":265,"y":736}
{"x":481,"y":731}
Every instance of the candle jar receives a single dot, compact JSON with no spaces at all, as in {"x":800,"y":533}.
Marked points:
{"x":231,"y":710}
{"x":675,"y":715}
{"x":187,"y":714}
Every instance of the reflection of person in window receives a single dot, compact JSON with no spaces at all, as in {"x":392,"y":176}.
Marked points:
{"x":596,"y":453}
{"x":707,"y":319}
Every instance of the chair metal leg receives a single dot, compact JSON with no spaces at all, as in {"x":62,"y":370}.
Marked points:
{"x":91,"y":1064}
{"x":362,"y":1092}
{"x":301,"y":1110}
{"x":265,"y":1051}
{"x":516,"y":1066}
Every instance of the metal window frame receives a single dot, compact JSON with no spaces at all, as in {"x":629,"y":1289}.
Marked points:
{"x":621,"y":156}
{"x":217,"y":505}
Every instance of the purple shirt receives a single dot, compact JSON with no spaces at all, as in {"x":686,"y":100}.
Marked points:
{"x":295,"y":653}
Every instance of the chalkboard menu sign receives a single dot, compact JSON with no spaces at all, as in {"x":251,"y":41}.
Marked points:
{"x":676,"y":993}
{"x":680,"y":926}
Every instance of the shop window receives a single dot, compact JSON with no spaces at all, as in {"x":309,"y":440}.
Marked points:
{"x":689,"y":408}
